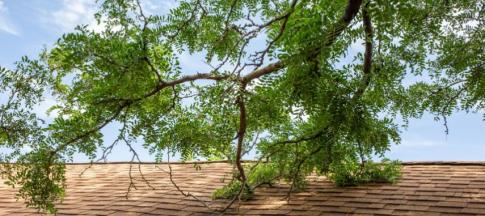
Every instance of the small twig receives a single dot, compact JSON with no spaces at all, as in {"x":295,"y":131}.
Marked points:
{"x":185,"y":23}
{"x":255,"y":141}
{"x":260,"y":56}
{"x":135,"y":155}
{"x":145,"y":42}
{"x":297,"y":171}
{"x":104,"y":156}
{"x":185,"y":194}
{"x":445,"y":123}
{"x":132,"y":184}
{"x":300,"y":163}
{"x":361,"y":154}
{"x":446,"y":106}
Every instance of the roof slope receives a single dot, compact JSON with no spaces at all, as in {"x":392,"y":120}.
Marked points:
{"x":425,"y":189}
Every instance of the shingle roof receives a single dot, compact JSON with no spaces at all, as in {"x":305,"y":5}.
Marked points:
{"x":425,"y":189}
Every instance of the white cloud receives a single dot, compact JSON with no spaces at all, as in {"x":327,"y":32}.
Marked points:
{"x":5,"y":23}
{"x":71,"y":14}
{"x":420,"y":143}
{"x":158,"y":7}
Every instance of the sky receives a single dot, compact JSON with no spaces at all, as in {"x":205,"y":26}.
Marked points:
{"x":28,"y":26}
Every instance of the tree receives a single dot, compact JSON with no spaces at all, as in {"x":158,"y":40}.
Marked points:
{"x":322,"y":95}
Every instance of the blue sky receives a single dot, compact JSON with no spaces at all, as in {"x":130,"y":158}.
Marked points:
{"x":29,"y":25}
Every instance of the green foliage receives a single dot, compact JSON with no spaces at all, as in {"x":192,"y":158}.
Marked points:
{"x":289,"y":79}
{"x":260,"y":174}
{"x":231,"y":190}
{"x":351,"y":173}
{"x":41,"y":184}
{"x":266,"y":173}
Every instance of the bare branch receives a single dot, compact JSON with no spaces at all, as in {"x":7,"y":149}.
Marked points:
{"x":255,"y":142}
{"x":135,"y":155}
{"x":185,"y":194}
{"x":132,"y":184}
{"x":104,"y":156}
{"x":270,"y":22}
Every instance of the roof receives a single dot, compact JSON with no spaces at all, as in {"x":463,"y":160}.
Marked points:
{"x":440,"y":188}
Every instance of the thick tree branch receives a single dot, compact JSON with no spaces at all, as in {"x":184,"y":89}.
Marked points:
{"x":367,"y":55}
{"x":239,"y":149}
{"x":262,"y":71}
{"x":368,"y":39}
{"x":351,"y":10}
{"x":241,"y":133}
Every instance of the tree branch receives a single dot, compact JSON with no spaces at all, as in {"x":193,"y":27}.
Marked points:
{"x":350,"y":12}
{"x":241,"y":132}
{"x":368,"y":52}
{"x":185,"y":194}
{"x":285,"y":18}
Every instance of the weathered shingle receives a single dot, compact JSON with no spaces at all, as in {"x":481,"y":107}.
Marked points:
{"x":425,"y":189}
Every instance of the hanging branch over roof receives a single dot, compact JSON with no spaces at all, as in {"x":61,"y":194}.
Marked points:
{"x":307,"y":105}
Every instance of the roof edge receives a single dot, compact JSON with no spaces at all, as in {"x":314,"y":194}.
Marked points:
{"x":406,"y":163}
{"x":461,"y":163}
{"x":172,"y":162}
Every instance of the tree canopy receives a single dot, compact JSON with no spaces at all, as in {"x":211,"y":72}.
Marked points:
{"x":313,"y":86}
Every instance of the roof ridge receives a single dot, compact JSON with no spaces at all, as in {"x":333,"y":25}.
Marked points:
{"x":461,"y":163}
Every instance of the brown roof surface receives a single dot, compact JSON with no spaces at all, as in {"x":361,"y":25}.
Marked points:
{"x":425,"y":189}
